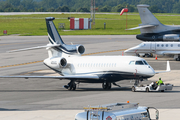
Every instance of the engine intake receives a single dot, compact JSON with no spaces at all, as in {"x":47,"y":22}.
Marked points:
{"x":62,"y":62}
{"x":80,"y":49}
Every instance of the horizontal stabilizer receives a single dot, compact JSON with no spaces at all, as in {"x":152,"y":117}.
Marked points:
{"x":168,"y":69}
{"x":32,"y":48}
{"x":143,"y":26}
{"x":56,"y":77}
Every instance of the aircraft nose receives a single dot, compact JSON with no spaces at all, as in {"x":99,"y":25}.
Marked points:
{"x":131,"y":50}
{"x":151,"y":71}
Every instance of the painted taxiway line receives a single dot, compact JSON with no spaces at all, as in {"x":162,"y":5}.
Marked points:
{"x":42,"y":60}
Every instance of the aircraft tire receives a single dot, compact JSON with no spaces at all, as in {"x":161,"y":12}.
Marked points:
{"x":106,"y":85}
{"x":177,"y":59}
{"x":74,"y":87}
{"x":151,"y":55}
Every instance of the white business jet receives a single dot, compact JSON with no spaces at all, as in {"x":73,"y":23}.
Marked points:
{"x":68,"y":62}
{"x":159,"y":48}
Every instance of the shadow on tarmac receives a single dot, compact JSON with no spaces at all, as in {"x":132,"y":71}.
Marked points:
{"x":81,"y":89}
{"x":3,"y":109}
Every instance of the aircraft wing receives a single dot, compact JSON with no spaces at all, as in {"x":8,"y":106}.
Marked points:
{"x":56,"y":77}
{"x":143,"y":26}
{"x":168,"y":69}
{"x":38,"y":47}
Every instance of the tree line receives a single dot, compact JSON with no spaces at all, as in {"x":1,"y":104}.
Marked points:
{"x":156,"y":6}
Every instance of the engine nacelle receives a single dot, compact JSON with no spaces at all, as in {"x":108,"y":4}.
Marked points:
{"x":56,"y":63}
{"x":73,"y":49}
{"x":171,"y":37}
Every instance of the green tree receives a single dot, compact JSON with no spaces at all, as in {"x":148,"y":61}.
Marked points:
{"x":14,"y":2}
{"x":82,"y":10}
{"x":105,"y":9}
{"x":58,"y":9}
{"x":176,"y":8}
{"x":50,"y":10}
{"x":64,"y":9}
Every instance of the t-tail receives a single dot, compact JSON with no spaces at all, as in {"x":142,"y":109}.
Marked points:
{"x":56,"y":45}
{"x":55,"y":39}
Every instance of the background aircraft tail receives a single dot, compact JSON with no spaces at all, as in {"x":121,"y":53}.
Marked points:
{"x":150,"y":24}
{"x":146,"y":16}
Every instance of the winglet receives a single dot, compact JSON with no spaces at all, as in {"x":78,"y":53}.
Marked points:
{"x":168,"y":69}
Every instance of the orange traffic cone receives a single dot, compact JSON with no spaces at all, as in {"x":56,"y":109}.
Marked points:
{"x":122,"y":53}
{"x":156,"y":57}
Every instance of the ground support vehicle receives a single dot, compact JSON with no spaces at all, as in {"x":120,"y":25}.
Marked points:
{"x":118,"y":111}
{"x":152,"y":87}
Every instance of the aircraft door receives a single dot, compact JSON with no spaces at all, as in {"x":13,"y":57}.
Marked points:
{"x":153,"y":47}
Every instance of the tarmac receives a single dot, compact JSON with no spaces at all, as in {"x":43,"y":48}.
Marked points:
{"x":42,"y":99}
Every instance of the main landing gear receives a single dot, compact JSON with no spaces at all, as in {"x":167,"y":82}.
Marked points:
{"x":178,"y":59}
{"x":106,"y":85}
{"x":71,"y":85}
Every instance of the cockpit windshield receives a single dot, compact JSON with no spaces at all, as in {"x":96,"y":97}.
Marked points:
{"x":139,"y":62}
{"x":142,"y":45}
{"x":145,"y":62}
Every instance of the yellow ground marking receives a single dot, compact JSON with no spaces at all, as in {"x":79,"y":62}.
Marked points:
{"x":17,"y":43}
{"x":21,"y":64}
{"x":42,"y":60}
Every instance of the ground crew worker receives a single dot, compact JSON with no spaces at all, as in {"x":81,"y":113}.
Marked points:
{"x":160,"y":82}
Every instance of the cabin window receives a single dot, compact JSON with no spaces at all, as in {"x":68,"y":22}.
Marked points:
{"x":145,"y":62}
{"x":139,"y":63}
{"x":162,"y":45}
{"x":178,"y":45}
{"x":166,"y":45}
{"x":132,"y":63}
{"x":157,"y":45}
{"x":171,"y":45}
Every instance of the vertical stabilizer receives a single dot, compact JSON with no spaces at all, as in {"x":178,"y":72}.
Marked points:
{"x":146,"y":16}
{"x":53,"y":35}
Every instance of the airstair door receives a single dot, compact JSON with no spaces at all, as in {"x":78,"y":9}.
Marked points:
{"x":153,"y":47}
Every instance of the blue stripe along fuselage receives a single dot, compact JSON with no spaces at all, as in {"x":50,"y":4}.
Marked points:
{"x":156,"y":36}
